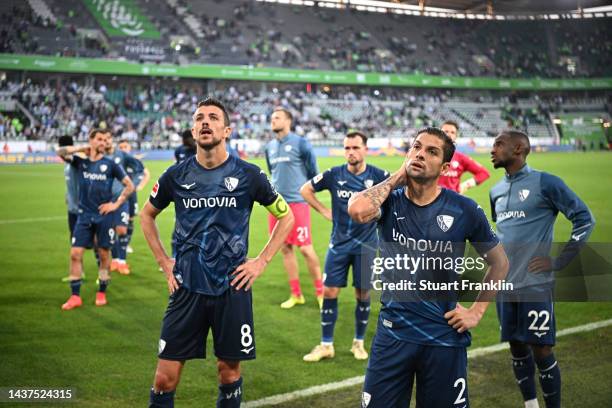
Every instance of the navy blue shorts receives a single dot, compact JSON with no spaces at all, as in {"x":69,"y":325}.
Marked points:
{"x":189,"y":317}
{"x":121,"y":216}
{"x":440,"y":372}
{"x":337,"y":266}
{"x":527,"y":322}
{"x":133,"y":204}
{"x":87,"y":226}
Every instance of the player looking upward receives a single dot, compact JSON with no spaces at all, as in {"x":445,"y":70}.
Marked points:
{"x":345,"y":246}
{"x":426,"y":338}
{"x":213,"y":194}
{"x":291,"y":163}
{"x":524,"y":206}
{"x":95,"y":221}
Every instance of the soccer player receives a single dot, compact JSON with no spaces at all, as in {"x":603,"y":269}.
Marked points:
{"x":72,"y":186}
{"x":524,"y":205}
{"x":142,"y":178}
{"x":460,"y":163}
{"x":291,"y":162}
{"x":122,"y":214}
{"x":213,"y":194}
{"x":345,"y":244}
{"x":427,"y":337}
{"x":187,"y":149}
{"x":94,"y":223}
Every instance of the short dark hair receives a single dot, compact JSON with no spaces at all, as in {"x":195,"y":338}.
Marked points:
{"x":186,"y":134}
{"x":210,"y":101}
{"x":285,"y":111}
{"x":449,"y":146}
{"x":452,"y":123}
{"x":356,"y":133}
{"x":93,"y":132}
{"x":123,"y":141}
{"x":65,"y":140}
{"x":518,"y":135}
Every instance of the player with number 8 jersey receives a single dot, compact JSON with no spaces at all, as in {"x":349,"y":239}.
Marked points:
{"x":213,"y":195}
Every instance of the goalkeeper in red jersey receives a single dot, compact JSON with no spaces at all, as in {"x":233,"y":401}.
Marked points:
{"x":459,"y":164}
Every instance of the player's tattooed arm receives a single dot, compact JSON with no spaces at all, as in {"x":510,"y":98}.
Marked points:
{"x":365,"y":206}
{"x":463,"y":319}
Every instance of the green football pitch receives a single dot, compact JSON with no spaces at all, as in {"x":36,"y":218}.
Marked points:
{"x":108,"y":355}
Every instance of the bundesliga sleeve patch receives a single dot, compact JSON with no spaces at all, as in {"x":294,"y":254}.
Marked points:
{"x":318,"y":178}
{"x":155,"y":190}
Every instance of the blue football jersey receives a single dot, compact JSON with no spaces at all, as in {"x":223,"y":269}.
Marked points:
{"x":183,"y":152}
{"x":126,"y":161}
{"x":347,"y":235}
{"x":213,"y":208}
{"x":437,"y":230}
{"x":96,"y":182}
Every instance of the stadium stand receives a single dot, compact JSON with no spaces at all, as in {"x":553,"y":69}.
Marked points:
{"x":279,"y":35}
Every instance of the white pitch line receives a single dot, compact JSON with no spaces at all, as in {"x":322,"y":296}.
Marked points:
{"x":349,"y":382}
{"x":25,"y":220}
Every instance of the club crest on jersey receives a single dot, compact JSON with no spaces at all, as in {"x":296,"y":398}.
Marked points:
{"x":117,"y":160}
{"x":445,"y":222}
{"x":231,"y":183}
{"x":523,"y":194}
{"x":368,"y":183}
{"x":103,"y":168}
{"x":288,"y":148}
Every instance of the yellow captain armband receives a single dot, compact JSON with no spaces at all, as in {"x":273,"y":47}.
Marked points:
{"x":279,"y":208}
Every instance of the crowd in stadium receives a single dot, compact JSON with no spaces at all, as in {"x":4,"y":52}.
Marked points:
{"x":311,"y":37}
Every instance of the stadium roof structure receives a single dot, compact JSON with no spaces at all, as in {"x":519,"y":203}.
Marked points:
{"x":509,"y":6}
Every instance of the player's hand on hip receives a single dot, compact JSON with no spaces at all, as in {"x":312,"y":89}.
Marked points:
{"x":107,"y":208}
{"x":327,"y":214}
{"x":539,"y":264}
{"x":167,"y":266}
{"x":463,"y":319}
{"x":245,"y":274}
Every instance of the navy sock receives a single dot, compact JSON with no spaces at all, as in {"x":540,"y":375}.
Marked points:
{"x":161,"y":400}
{"x":116,"y":248}
{"x":230,"y":395}
{"x":123,"y":241}
{"x":130,"y":231}
{"x":550,"y":380}
{"x":329,"y":315}
{"x":524,"y":371}
{"x":75,"y":286}
{"x":362,"y":314}
{"x":104,"y":285}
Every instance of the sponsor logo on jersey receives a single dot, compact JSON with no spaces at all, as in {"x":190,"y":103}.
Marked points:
{"x":422,"y":244}
{"x":368,"y":183}
{"x":451,"y":173}
{"x":209,"y":202}
{"x":523,"y":194}
{"x":282,"y":159}
{"x":445,"y":222}
{"x":94,"y":176}
{"x":231,"y":183}
{"x":188,"y":186}
{"x":155,"y":190}
{"x":103,"y":168}
{"x":344,"y":193}
{"x":504,"y":215}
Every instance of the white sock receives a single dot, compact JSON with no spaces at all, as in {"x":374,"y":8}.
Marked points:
{"x":532,"y":403}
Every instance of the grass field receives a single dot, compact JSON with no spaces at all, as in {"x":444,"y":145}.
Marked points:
{"x":109,"y":354}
